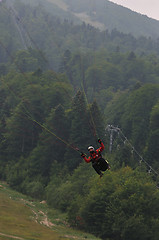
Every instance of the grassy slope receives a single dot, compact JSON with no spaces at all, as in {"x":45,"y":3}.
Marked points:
{"x":23,"y":219}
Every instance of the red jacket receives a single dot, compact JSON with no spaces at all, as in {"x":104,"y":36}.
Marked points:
{"x":95,"y":155}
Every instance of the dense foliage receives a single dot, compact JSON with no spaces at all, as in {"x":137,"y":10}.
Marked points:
{"x":47,"y":116}
{"x":123,"y":205}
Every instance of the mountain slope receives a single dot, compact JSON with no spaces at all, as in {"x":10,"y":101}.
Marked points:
{"x":36,"y":25}
{"x":101,"y":14}
{"x":107,"y":15}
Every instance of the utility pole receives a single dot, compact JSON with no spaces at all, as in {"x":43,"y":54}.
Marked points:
{"x":111,"y":129}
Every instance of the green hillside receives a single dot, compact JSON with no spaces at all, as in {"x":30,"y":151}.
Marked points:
{"x":26,"y":219}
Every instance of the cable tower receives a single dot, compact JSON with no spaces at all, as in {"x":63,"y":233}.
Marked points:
{"x":116,"y":130}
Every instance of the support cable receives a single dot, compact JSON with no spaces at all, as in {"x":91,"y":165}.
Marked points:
{"x":111,"y":129}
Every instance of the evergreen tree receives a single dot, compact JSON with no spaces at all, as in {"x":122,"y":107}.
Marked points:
{"x":136,"y":116}
{"x":152,"y":149}
{"x":25,"y":62}
{"x":97,"y":121}
{"x":80,"y":132}
{"x":64,"y":62}
{"x":54,"y":143}
{"x":21,"y":133}
{"x":50,"y":148}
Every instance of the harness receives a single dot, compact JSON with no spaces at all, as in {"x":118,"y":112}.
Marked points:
{"x":96,"y":157}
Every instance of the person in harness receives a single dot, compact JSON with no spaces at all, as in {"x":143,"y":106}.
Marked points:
{"x":98,"y":163}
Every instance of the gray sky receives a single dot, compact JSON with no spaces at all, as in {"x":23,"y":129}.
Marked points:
{"x":146,"y":7}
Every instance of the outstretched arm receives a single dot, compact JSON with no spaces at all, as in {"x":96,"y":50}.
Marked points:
{"x":102,"y":145}
{"x":87,"y":160}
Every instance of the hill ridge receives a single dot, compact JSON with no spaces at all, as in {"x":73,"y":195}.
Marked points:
{"x":104,"y":14}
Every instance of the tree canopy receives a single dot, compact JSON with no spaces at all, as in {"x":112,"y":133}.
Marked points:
{"x":58,"y":94}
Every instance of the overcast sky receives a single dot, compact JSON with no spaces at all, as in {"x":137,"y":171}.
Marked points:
{"x":146,"y":7}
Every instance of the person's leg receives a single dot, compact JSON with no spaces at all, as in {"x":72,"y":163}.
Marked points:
{"x":103,"y":164}
{"x":96,"y":167}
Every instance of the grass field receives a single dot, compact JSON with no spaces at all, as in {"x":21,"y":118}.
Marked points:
{"x":25,"y":219}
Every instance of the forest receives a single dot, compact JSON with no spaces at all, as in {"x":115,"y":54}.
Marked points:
{"x":55,"y":102}
{"x":25,"y":26}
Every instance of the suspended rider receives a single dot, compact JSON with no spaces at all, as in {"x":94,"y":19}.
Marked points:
{"x":98,"y":163}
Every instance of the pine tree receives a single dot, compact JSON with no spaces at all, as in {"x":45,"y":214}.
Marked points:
{"x":58,"y":124}
{"x":80,"y":133}
{"x":97,"y":121}
{"x":21,"y":133}
{"x":152,"y":149}
{"x":51,"y":147}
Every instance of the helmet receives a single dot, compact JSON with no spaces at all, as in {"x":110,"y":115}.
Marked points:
{"x":90,"y":147}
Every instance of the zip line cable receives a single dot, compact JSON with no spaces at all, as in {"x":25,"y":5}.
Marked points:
{"x":66,"y":143}
{"x":92,"y":123}
{"x":111,"y":129}
{"x":92,"y":120}
{"x":141,"y":158}
{"x":29,"y":115}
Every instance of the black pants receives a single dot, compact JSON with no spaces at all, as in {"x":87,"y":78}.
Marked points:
{"x":100,"y":165}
